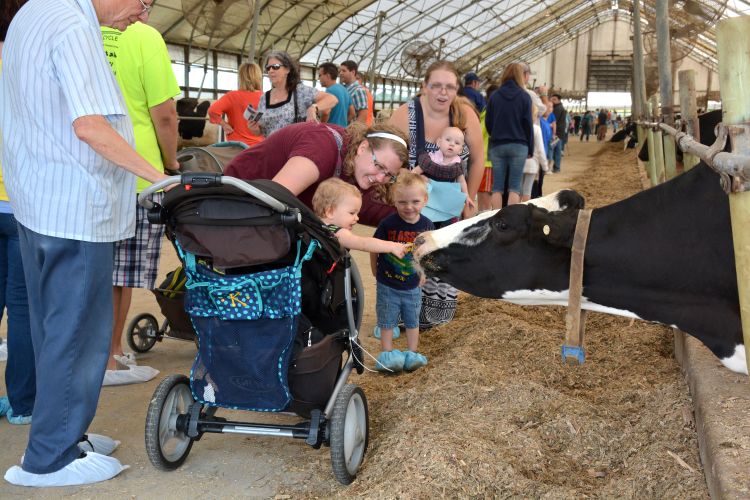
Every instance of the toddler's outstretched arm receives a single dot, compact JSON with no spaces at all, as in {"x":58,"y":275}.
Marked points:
{"x":373,"y":245}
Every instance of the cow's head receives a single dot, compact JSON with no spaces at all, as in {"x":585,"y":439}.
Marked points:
{"x":521,"y":247}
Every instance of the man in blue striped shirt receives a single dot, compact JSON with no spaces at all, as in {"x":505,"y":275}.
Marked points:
{"x":70,"y":172}
{"x":348,"y":77}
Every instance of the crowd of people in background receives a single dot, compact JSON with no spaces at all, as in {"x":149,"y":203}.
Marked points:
{"x":597,"y":122}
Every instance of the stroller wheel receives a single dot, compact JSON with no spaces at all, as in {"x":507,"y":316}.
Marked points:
{"x":349,"y":432}
{"x":166,"y":444}
{"x":143,"y":332}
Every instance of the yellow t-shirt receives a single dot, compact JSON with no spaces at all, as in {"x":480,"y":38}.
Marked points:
{"x":141,"y":65}
{"x":3,"y":193}
{"x":486,"y":138}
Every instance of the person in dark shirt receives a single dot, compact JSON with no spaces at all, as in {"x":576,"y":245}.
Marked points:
{"x":471,"y":90}
{"x":561,"y":131}
{"x":511,"y":133}
{"x":601,"y":125}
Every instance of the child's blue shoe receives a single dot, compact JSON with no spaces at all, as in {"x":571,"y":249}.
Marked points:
{"x":18,"y":419}
{"x":4,"y":405}
{"x":390,"y":361}
{"x":413,"y":360}
{"x":376,"y":332}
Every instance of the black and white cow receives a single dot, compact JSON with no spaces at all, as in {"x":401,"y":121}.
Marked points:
{"x":663,"y":255}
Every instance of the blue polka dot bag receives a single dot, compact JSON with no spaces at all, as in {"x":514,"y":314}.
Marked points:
{"x":246,"y":325}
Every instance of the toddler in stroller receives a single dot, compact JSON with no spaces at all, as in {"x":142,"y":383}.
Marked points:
{"x":275,"y":302}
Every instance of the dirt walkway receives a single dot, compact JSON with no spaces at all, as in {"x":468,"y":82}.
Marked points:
{"x":451,"y":429}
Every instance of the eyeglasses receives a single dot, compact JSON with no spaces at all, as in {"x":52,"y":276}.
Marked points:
{"x":276,"y":66}
{"x":146,"y":8}
{"x":439,"y":87}
{"x":390,"y":178}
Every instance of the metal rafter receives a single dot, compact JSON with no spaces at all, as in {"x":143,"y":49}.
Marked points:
{"x":482,"y":34}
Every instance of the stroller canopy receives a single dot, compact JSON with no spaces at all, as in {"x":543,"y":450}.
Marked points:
{"x":235,"y":229}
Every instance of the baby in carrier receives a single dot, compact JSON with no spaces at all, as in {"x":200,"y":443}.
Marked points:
{"x":445,"y":165}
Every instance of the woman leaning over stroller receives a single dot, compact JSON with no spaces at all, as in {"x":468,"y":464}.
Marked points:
{"x":302,"y":155}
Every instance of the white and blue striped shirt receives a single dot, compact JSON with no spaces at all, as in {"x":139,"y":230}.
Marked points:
{"x":55,"y":71}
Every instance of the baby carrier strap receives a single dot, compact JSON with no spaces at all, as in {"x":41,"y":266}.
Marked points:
{"x":296,"y":109}
{"x":339,"y":144}
{"x":419,"y":118}
{"x":297,"y":118}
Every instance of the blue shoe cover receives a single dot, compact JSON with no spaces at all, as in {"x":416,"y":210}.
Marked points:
{"x":17,"y":419}
{"x":376,"y":332}
{"x":392,"y":361}
{"x":4,"y":406}
{"x":413,"y":360}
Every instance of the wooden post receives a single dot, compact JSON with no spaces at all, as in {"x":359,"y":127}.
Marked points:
{"x":670,"y":156}
{"x":732,"y":41}
{"x":659,"y":152}
{"x":665,"y":85}
{"x":665,"y":61}
{"x":651,"y":150}
{"x":689,"y":113}
{"x":639,"y":79}
{"x":381,"y":17}
{"x":254,"y":30}
{"x":658,"y":175}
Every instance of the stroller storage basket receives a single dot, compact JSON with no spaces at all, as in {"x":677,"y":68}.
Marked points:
{"x":172,"y":306}
{"x":246,"y":325}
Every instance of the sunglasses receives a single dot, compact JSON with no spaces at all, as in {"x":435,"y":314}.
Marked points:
{"x":390,"y":178}
{"x":276,"y":66}
{"x":146,"y":8}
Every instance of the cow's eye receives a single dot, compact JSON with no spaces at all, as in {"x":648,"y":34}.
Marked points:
{"x":501,"y":225}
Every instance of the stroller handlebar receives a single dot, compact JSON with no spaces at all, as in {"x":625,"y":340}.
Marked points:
{"x":205,"y":179}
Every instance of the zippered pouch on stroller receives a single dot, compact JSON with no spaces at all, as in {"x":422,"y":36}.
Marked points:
{"x":246,"y":325}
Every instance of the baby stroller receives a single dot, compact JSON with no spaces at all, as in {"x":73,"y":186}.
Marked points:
{"x":276,"y":303}
{"x":144,"y":331}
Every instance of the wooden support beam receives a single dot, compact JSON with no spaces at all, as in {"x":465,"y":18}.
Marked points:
{"x":733,"y":39}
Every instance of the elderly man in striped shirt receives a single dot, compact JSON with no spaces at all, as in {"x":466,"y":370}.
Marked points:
{"x":70,"y":171}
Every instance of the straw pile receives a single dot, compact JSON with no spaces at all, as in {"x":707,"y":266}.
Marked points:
{"x":496,"y":413}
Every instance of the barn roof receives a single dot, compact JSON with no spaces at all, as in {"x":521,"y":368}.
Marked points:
{"x":480,"y":35}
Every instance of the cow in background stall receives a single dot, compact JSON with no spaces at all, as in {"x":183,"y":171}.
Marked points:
{"x":662,"y":255}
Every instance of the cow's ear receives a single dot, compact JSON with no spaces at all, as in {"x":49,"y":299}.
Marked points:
{"x":570,"y":200}
{"x":554,"y":228}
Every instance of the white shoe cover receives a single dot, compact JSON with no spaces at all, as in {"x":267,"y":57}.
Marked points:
{"x":133,"y":375}
{"x":126,"y":359}
{"x":97,"y":443}
{"x":90,"y":469}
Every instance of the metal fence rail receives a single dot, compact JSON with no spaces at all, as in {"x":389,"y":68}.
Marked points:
{"x":728,"y":164}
